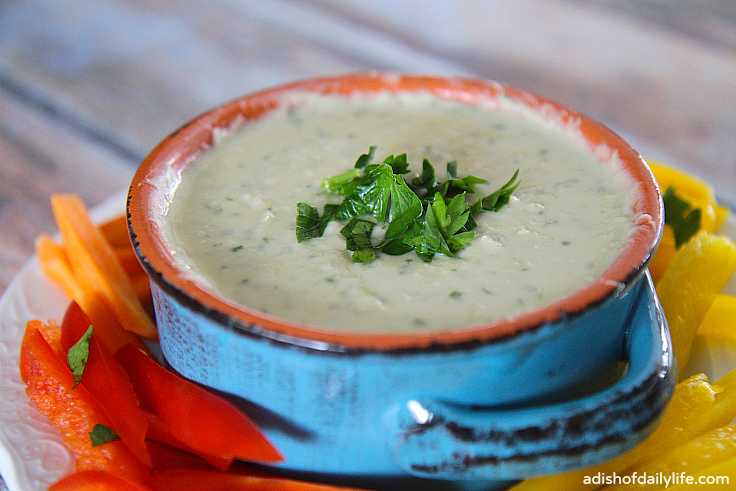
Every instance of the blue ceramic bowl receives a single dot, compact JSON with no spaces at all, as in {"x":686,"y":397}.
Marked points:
{"x":542,"y":393}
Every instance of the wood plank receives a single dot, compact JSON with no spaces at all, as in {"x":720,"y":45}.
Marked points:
{"x":667,"y":90}
{"x":38,"y":157}
{"x":133,"y":70}
{"x":140,"y":69}
{"x":712,"y":22}
{"x":86,"y":91}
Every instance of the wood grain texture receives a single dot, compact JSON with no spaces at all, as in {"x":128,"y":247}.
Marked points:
{"x":116,"y":76}
{"x":87,"y":89}
{"x":667,"y":89}
{"x":138,"y":70}
{"x":712,"y":22}
{"x":38,"y":157}
{"x":87,"y":92}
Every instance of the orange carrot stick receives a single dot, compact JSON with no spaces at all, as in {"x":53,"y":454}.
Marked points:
{"x":129,"y":261}
{"x":96,"y":267}
{"x":55,"y":265}
{"x":116,"y":232}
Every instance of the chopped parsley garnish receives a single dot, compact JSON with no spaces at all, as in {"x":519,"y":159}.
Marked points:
{"x":78,"y":355}
{"x":421,"y":215}
{"x":102,"y":434}
{"x":308,"y":222}
{"x":680,"y":215}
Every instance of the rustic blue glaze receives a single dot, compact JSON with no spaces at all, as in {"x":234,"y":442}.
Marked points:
{"x":520,"y":406}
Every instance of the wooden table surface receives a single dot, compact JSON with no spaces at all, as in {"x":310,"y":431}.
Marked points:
{"x":87,"y":88}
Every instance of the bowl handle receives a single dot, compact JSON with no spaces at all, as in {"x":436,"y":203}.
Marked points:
{"x":442,"y":440}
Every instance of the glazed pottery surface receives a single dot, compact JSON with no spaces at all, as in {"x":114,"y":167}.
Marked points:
{"x":471,"y":409}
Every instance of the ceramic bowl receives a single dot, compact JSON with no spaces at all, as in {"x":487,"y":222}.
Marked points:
{"x":537,"y":394}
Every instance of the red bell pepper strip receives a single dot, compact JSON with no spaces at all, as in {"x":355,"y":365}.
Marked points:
{"x":74,"y":412}
{"x":108,"y":383}
{"x":165,"y":457}
{"x":96,"y":481}
{"x":196,"y":417}
{"x":196,"y":480}
{"x":51,"y":332}
{"x":74,"y":324}
{"x":158,"y":431}
{"x":76,"y":321}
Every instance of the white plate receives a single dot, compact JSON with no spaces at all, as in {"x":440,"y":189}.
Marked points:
{"x":32,"y":456}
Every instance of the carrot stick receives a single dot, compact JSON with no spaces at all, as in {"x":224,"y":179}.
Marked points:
{"x":96,"y":267}
{"x":116,"y":232}
{"x":129,"y":261}
{"x":142,"y":287}
{"x":55,"y":265}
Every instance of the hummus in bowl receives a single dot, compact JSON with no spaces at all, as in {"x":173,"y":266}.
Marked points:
{"x":362,"y":368}
{"x":232,"y":219}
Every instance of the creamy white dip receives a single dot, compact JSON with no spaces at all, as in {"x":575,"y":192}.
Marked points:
{"x":232,"y":217}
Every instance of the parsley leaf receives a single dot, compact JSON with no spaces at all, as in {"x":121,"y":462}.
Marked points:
{"x":383,"y":194}
{"x":454,"y":186}
{"x":78,"y":356}
{"x":308,"y":222}
{"x":680,"y":215}
{"x":363,"y":256}
{"x":357,"y":234}
{"x":102,"y":434}
{"x":500,"y":197}
{"x":421,"y":215}
{"x":366,"y":158}
{"x":425,"y":180}
{"x":426,"y":185}
{"x":336,"y":184}
{"x":494,"y":201}
{"x":442,"y":227}
{"x":399,"y":164}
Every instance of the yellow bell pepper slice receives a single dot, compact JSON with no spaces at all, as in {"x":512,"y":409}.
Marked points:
{"x":693,"y":398}
{"x":693,"y":457}
{"x":719,"y":414}
{"x":696,"y":407}
{"x":696,"y":275}
{"x":687,"y":185}
{"x":665,"y":252}
{"x":721,"y":215}
{"x":721,"y":475}
{"x":699,"y":193}
{"x":695,"y":191}
{"x":720,"y":321}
